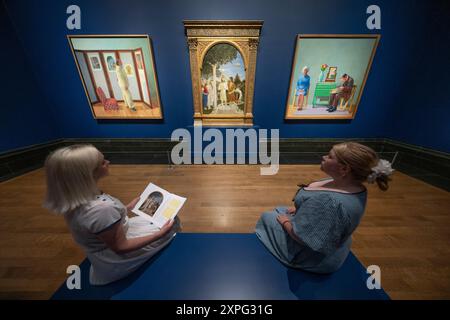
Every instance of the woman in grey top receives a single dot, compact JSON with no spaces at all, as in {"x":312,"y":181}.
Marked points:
{"x":315,"y":235}
{"x":114,"y":244}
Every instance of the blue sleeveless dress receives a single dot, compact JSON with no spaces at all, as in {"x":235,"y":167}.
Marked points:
{"x":324,"y":221}
{"x":303,"y":85}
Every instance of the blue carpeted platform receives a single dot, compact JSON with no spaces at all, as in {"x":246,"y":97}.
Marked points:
{"x":226,"y":266}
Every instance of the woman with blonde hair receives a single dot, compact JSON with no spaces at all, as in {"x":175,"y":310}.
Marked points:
{"x":114,"y":244}
{"x":315,"y":234}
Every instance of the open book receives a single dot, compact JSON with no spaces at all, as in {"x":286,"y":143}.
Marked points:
{"x":157,"y":205}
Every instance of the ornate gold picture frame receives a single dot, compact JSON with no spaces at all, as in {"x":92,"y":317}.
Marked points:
{"x":222,"y":57}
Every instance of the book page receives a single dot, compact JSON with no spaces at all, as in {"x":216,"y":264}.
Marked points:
{"x":168,"y":210}
{"x":157,"y":205}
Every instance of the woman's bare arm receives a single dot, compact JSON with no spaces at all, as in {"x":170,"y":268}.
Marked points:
{"x":290,"y":230}
{"x":117,"y":241}
{"x":132,"y":204}
{"x":286,"y":224}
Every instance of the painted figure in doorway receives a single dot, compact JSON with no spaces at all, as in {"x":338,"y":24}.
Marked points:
{"x":122,"y":79}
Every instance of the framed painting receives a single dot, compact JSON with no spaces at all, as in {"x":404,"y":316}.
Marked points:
{"x":223,"y":61}
{"x":118,"y":75}
{"x":331,"y":75}
{"x":95,"y":63}
{"x":328,"y":75}
{"x":110,"y":61}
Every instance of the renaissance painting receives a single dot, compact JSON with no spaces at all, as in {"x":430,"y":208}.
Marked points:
{"x":118,"y":75}
{"x":152,"y":203}
{"x":223,"y":81}
{"x":223,"y":61}
{"x":328,"y":75}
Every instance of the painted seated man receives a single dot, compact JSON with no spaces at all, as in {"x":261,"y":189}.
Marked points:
{"x":343,"y":91}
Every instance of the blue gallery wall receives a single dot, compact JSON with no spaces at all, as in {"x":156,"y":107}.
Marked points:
{"x":423,"y":105}
{"x":25,"y":118}
{"x":41,"y":28}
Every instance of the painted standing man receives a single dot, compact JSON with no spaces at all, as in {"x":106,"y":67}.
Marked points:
{"x":223,"y":91}
{"x":122,"y":79}
{"x":231,"y":90}
{"x":211,"y":94}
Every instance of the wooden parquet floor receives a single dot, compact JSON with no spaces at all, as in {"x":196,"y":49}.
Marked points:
{"x":405,"y":231}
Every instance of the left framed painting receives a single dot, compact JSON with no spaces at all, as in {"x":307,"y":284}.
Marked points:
{"x":118,"y":75}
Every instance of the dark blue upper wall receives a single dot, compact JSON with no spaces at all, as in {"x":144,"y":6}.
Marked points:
{"x":41,"y":26}
{"x":422,"y":107}
{"x":25,"y":118}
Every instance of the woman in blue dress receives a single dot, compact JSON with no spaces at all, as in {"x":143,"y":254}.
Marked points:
{"x":302,"y":87}
{"x":315,"y":235}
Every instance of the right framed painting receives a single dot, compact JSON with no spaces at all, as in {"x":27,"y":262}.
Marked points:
{"x":328,"y":75}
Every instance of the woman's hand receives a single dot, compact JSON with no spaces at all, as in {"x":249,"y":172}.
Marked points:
{"x":115,"y":238}
{"x":166,"y":227}
{"x":133,"y":203}
{"x":291,"y":210}
{"x":282,"y":218}
{"x":288,"y":227}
